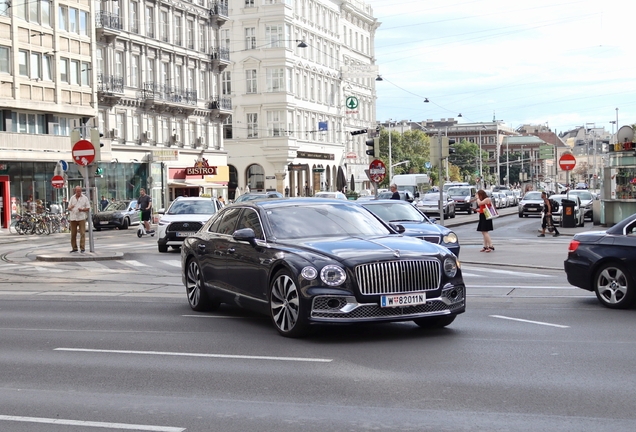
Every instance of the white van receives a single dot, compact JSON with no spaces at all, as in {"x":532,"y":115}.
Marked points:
{"x":413,"y":183}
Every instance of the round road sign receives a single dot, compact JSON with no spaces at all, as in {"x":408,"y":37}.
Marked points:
{"x":57,"y":182}
{"x":567,"y":162}
{"x":377,"y":171}
{"x":83,"y":152}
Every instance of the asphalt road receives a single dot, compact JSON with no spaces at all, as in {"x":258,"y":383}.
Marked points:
{"x":113,"y":345}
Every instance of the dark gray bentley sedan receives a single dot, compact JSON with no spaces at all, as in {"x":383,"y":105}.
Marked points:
{"x":306,"y":261}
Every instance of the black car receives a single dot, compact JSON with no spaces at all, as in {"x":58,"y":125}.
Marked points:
{"x":117,"y":214}
{"x":605,"y":262}
{"x":307,"y":261}
{"x":415,"y":223}
{"x":250,"y":196}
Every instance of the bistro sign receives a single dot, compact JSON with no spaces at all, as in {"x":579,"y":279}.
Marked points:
{"x":201,"y":167}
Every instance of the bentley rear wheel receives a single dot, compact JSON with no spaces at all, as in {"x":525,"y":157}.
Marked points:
{"x":198,"y":299}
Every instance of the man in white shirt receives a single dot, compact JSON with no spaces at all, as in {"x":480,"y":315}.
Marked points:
{"x":78,"y":206}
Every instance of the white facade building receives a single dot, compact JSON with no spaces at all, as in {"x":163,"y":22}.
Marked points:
{"x":289,"y":82}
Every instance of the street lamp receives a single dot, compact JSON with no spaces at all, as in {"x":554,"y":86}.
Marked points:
{"x":481,"y":158}
{"x":390,"y":155}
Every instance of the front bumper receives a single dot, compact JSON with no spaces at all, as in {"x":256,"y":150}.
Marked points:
{"x":345,"y":309}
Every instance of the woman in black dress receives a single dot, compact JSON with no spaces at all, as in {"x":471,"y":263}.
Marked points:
{"x":485,"y":225}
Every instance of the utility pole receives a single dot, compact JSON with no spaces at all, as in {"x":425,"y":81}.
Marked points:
{"x":441,"y":179}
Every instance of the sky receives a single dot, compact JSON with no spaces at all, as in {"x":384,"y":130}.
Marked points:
{"x":560,"y":63}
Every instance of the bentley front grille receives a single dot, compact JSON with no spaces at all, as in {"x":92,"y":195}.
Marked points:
{"x":393,"y":277}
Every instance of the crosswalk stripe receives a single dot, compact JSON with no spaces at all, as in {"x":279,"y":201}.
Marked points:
{"x":135,"y":263}
{"x":92,"y":265}
{"x":509,"y":272}
{"x":172,"y":263}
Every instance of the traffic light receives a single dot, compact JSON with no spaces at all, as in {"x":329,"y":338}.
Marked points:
{"x":375,"y":144}
{"x":95,"y":135}
{"x":434,"y":143}
{"x":446,"y":146}
{"x":358,"y":132}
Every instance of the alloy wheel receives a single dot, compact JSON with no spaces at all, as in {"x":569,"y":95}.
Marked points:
{"x":193,"y":284}
{"x":285,"y":306}
{"x":613,"y":287}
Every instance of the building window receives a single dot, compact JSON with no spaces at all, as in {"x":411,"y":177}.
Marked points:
{"x":23,"y":62}
{"x":150,"y":128}
{"x":150,"y":21}
{"x":120,"y":127}
{"x":190,"y":85}
{"x":134,"y":71}
{"x":190,"y":34}
{"x":275,"y":79}
{"x":150,"y":71}
{"x":64,"y":71}
{"x":275,"y":123}
{"x":250,"y":77}
{"x":252,"y":125}
{"x":135,"y":127}
{"x":165,"y":136}
{"x":177,"y":30}
{"x":164,"y":26}
{"x":86,"y":76}
{"x":226,"y":83}
{"x":165,"y":78}
{"x":4,"y":60}
{"x":75,"y":72}
{"x":274,"y":36}
{"x":225,"y":39}
{"x":250,"y":38}
{"x":203,"y":88}
{"x":178,"y":77}
{"x":119,"y":64}
{"x":73,"y":20}
{"x":62,"y":18}
{"x":99,"y":58}
{"x":36,"y":70}
{"x":202,"y":41}
{"x":83,"y":23}
{"x":249,"y":3}
{"x":134,"y":17}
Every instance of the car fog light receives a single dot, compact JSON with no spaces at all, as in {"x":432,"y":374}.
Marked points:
{"x":309,"y":273}
{"x":333,"y":275}
{"x":450,"y":267}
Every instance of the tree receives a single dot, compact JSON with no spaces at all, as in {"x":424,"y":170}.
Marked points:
{"x":466,"y":157}
{"x":412,"y":146}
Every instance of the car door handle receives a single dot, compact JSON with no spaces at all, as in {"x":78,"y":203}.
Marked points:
{"x":231,"y":250}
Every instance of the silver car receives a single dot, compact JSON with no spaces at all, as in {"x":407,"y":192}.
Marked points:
{"x":586,"y":200}
{"x":531,"y":204}
{"x":579,"y":216}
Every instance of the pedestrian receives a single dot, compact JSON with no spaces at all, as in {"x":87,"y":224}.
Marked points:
{"x":286,"y":191}
{"x":485,"y":225}
{"x":547,"y":217}
{"x":396,"y":194}
{"x":144,"y":203}
{"x":103,"y":203}
{"x":78,"y":206}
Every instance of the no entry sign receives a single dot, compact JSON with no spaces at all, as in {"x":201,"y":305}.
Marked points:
{"x":377,"y":171}
{"x":83,"y":152}
{"x":567,"y":162}
{"x":57,"y":182}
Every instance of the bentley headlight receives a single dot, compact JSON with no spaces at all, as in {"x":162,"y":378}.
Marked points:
{"x":450,"y":238}
{"x":309,"y":273}
{"x":333,"y":275}
{"x":450,"y":267}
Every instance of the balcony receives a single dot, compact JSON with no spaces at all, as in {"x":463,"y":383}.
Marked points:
{"x":174,"y":99}
{"x":107,"y":25}
{"x":219,"y":11}
{"x":221,"y":107}
{"x":110,"y":88}
{"x":220,"y":58}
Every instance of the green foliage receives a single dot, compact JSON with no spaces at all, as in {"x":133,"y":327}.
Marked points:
{"x":413,"y":145}
{"x":466,"y":157}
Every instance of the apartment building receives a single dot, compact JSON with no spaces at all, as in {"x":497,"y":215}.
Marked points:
{"x":289,"y":82}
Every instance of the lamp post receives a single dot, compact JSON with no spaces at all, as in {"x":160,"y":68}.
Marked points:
{"x":481,"y":168}
{"x":507,"y":162}
{"x":390,"y":155}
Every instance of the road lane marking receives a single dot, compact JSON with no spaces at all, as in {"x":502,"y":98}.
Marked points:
{"x":524,"y":286}
{"x":135,"y":263}
{"x":530,"y":322}
{"x":172,"y":263}
{"x":123,"y":426}
{"x":180,"y":354}
{"x":516,"y":273}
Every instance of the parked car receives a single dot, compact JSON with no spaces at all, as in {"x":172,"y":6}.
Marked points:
{"x":579,"y":212}
{"x":462,"y":195}
{"x":333,"y":195}
{"x":586,"y":200}
{"x":185,"y":216}
{"x":500,"y":199}
{"x":414,"y":222}
{"x":404,"y":195}
{"x":429,"y":204}
{"x":531,"y":204}
{"x":512,"y":198}
{"x":347,"y":266}
{"x":249,"y":196}
{"x":604,"y":262}
{"x":117,"y":214}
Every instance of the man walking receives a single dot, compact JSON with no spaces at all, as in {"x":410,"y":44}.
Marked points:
{"x":547,"y":217}
{"x":395,"y":195}
{"x":145,"y":204}
{"x":78,"y":206}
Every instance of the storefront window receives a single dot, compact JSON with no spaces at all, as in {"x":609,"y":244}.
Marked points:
{"x":626,"y":183}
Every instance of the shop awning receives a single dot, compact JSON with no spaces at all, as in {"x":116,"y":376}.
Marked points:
{"x":183,"y":184}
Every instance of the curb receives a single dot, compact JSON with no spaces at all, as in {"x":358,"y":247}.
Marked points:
{"x":77,"y":257}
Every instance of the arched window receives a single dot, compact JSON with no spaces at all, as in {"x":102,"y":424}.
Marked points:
{"x":255,"y":178}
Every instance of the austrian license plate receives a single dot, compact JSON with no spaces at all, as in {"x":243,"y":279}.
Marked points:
{"x":103,"y":222}
{"x":184,"y":233}
{"x":403,"y":300}
{"x":532,"y":209}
